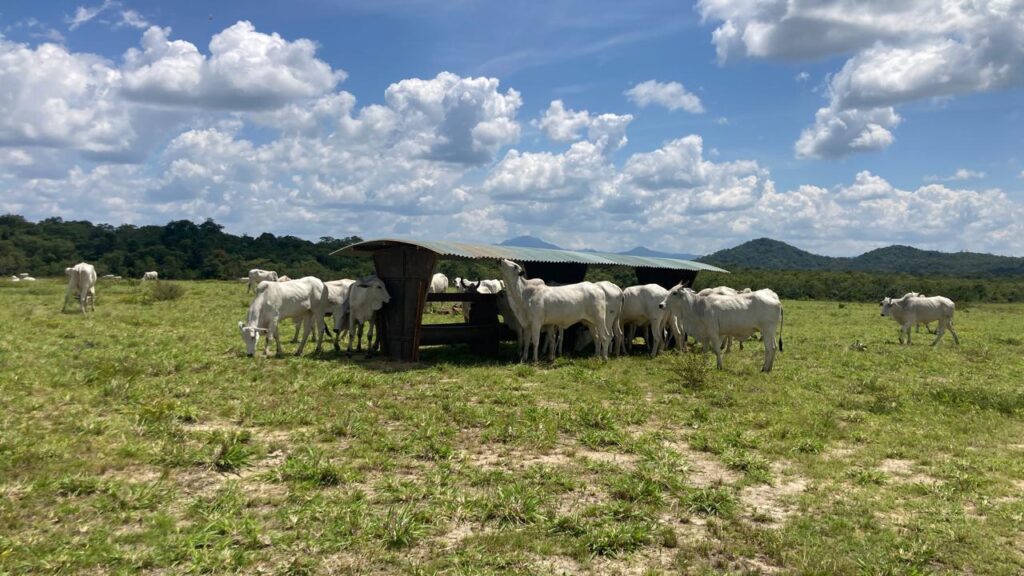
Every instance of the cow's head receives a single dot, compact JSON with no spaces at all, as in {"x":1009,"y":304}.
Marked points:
{"x":251,"y":337}
{"x":886,"y":307}
{"x":376,"y":293}
{"x":677,"y":292}
{"x":512,"y":267}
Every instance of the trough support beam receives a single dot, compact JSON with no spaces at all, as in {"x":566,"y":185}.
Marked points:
{"x":406,"y":272}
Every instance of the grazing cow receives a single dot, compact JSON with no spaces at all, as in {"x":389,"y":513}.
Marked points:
{"x":910,"y":310}
{"x":305,"y":299}
{"x":711,"y":317}
{"x":28,"y":279}
{"x":256,"y":276}
{"x":108,"y":276}
{"x":82,"y":284}
{"x":640,"y":308}
{"x":537,"y":305}
{"x":365,"y":297}
{"x":15,"y":279}
{"x":23,"y":275}
{"x":151,"y":275}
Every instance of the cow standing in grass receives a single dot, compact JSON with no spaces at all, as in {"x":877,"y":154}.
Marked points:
{"x":256,"y":276}
{"x":910,"y":310}
{"x":304,"y":299}
{"x":365,"y":298}
{"x":82,"y":283}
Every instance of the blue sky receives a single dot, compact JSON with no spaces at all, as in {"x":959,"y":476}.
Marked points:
{"x":838,"y":126}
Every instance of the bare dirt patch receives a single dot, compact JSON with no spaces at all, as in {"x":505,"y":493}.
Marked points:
{"x":489,"y":457}
{"x":771,"y":505}
{"x":905,"y":472}
{"x":704,"y":469}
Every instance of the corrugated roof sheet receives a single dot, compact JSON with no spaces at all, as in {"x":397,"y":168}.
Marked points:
{"x":492,"y":252}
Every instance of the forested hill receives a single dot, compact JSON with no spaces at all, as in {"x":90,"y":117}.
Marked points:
{"x":768,"y":254}
{"x":181,"y":250}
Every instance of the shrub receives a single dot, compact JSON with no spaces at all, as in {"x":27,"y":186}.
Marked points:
{"x":694,"y":370}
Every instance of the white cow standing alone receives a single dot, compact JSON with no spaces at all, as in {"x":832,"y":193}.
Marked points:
{"x":537,"y":305}
{"x":365,"y":298}
{"x":305,"y":299}
{"x":438,"y":285}
{"x":82,"y":283}
{"x":910,"y":310}
{"x":151,"y":275}
{"x":256,"y":276}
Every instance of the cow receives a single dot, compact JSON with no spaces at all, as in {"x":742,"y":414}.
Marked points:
{"x":82,"y":284}
{"x":438,"y":285}
{"x":15,"y":279}
{"x":479,"y":287}
{"x":23,"y":275}
{"x":108,"y":276}
{"x":537,"y":305}
{"x":917,"y":327}
{"x":714,"y":316}
{"x":366,"y":297}
{"x":283,"y":278}
{"x":151,"y":275}
{"x":28,"y":279}
{"x":256,"y":276}
{"x":640,"y":308}
{"x":305,"y":299}
{"x":909,"y":310}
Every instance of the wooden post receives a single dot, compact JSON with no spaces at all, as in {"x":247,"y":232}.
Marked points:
{"x":406,"y":272}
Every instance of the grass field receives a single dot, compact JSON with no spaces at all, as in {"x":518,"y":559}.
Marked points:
{"x":139,"y":438}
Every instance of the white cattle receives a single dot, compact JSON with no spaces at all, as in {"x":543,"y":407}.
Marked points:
{"x":23,"y":275}
{"x":910,"y":310}
{"x":337,"y":303}
{"x":366,"y":296}
{"x":28,"y":279}
{"x":537,"y":305}
{"x":479,"y":287}
{"x":613,"y":313}
{"x":438,"y":285}
{"x":304,"y":299}
{"x":283,"y":278}
{"x":917,"y":327}
{"x":641,"y":308}
{"x":736,"y":315}
{"x":82,"y":284}
{"x":256,"y":276}
{"x":15,"y":279}
{"x":108,"y":276}
{"x":151,"y":275}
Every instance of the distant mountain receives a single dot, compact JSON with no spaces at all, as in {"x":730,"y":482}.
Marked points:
{"x":644,"y":251}
{"x":528,"y":242}
{"x":765,"y":253}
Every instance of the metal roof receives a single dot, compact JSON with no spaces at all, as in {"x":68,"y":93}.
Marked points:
{"x":492,"y":252}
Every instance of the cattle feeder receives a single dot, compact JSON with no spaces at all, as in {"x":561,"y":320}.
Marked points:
{"x":406,"y":267}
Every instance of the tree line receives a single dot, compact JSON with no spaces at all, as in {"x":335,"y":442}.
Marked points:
{"x":187,"y":251}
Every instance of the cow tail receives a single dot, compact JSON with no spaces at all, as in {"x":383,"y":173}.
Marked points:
{"x":782,"y":320}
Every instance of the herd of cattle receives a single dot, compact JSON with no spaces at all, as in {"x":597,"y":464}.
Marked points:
{"x":532,"y":308}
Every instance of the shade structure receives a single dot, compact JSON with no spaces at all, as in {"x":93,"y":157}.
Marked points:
{"x":407,"y":265}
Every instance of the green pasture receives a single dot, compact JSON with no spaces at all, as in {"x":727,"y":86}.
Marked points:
{"x":140,"y":439}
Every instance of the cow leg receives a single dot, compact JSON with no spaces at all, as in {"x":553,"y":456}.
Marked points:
{"x":716,"y":345}
{"x":656,"y":339}
{"x":769,"y":351}
{"x":298,"y":326}
{"x":536,"y":340}
{"x":371,"y":332}
{"x":307,"y":327}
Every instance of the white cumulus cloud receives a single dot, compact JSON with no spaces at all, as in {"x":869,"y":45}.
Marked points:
{"x":671,"y":95}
